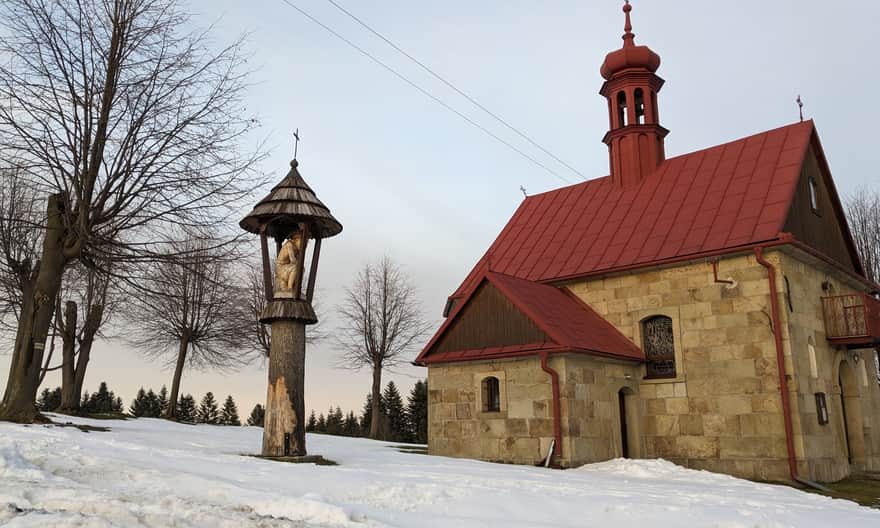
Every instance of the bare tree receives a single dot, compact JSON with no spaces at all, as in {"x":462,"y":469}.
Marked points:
{"x":382,"y":322}
{"x":195,"y":313}
{"x":863,"y":216}
{"x":129,"y":125}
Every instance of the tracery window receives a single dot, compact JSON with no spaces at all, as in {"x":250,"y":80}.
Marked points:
{"x":491,"y":394}
{"x":659,"y":346}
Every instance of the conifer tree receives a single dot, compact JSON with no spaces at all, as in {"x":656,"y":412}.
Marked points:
{"x":153,"y":407}
{"x":208,"y":411}
{"x":101,"y":401}
{"x":367,"y":415}
{"x":311,"y":423}
{"x":321,"y":426}
{"x":49,"y":400}
{"x":163,"y":400}
{"x":139,"y":405}
{"x":229,"y":414}
{"x":118,"y":405}
{"x":42,"y":399}
{"x":186,"y":409}
{"x":332,"y":425}
{"x":257,"y":416}
{"x":350,"y":427}
{"x":417,"y":412}
{"x":395,"y":417}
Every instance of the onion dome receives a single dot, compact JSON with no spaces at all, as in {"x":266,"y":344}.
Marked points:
{"x":629,"y":56}
{"x":290,"y":202}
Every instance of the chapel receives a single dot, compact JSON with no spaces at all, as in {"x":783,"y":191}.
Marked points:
{"x":708,"y":308}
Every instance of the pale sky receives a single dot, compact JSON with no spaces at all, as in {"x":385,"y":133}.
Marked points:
{"x":413,"y":181}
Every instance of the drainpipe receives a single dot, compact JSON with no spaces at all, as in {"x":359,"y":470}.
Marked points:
{"x":557,"y":419}
{"x":780,"y":363}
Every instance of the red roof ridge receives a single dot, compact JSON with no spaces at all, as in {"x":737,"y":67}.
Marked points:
{"x":724,"y":197}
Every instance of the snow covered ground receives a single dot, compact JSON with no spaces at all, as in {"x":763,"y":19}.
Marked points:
{"x":150,"y":472}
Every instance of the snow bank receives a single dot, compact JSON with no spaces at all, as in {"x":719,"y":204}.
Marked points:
{"x":154,"y":473}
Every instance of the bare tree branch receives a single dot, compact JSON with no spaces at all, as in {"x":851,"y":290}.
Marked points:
{"x":130,"y":126}
{"x":863,"y":216}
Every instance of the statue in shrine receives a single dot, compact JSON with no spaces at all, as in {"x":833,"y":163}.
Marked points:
{"x":287,"y":265}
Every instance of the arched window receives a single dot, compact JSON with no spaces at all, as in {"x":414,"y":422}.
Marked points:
{"x":621,"y":109}
{"x":639,"y":102}
{"x":659,"y":345}
{"x":788,"y":294}
{"x":814,"y":195}
{"x":491,"y":394}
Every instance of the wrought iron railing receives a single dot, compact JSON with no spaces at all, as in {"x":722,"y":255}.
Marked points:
{"x":851,"y":316}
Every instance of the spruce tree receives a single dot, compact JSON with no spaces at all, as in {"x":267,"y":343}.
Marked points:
{"x":313,"y":421}
{"x":117,"y":405}
{"x":153,"y":407}
{"x":186,"y":409}
{"x":49,"y":399}
{"x":139,"y":405}
{"x":350,"y":426}
{"x":163,"y":400}
{"x":321,"y":426}
{"x":229,"y":414}
{"x":44,"y":398}
{"x":395,"y":416}
{"x":101,"y":401}
{"x":332,"y":425}
{"x":367,"y":416}
{"x":208,"y":411}
{"x":417,"y":412}
{"x":257,"y":416}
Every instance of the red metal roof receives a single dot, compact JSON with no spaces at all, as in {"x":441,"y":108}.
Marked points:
{"x":571,"y":325}
{"x":731,"y":195}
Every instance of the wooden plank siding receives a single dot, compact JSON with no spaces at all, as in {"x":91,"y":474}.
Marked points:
{"x":820,"y":229}
{"x":489,"y":320}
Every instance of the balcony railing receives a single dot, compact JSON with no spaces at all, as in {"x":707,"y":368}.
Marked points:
{"x":852,"y":319}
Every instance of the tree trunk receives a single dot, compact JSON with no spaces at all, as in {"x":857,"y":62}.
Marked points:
{"x":69,"y":398}
{"x":19,"y":400}
{"x":284,"y":432}
{"x":376,"y":411}
{"x":90,"y":330}
{"x":171,"y":411}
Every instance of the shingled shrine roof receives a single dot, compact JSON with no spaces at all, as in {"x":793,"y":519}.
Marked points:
{"x":293,"y":198}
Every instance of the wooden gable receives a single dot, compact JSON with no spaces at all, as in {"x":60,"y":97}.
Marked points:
{"x":489,"y":319}
{"x":823,"y":227}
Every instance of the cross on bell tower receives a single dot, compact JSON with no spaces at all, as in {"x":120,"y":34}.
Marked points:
{"x":635,"y":138}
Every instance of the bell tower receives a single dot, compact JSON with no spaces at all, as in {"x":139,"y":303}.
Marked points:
{"x":635,"y":137}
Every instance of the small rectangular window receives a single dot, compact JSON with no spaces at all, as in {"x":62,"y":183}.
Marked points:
{"x":821,"y":408}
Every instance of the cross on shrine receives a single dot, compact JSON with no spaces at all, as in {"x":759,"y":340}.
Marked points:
{"x":296,"y":142}
{"x":800,"y":104}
